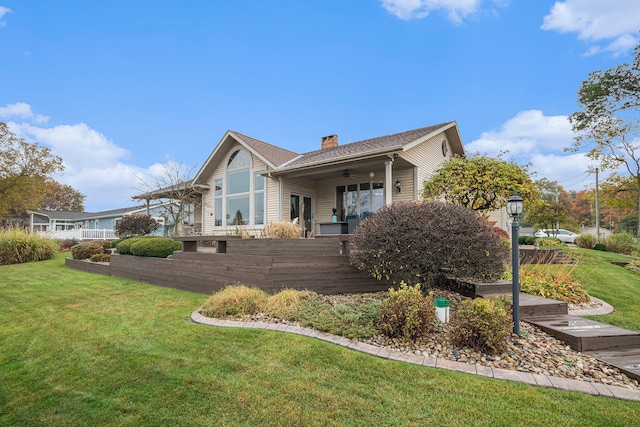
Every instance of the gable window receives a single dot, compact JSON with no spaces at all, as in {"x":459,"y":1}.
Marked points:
{"x":217,"y":203}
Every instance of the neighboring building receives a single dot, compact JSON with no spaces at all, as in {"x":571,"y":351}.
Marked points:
{"x":90,"y":225}
{"x":246,"y":184}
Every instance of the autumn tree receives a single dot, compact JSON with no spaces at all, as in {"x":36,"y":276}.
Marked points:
{"x":172,"y":187}
{"x":479,"y":183}
{"x":545,"y":214}
{"x":608,"y":123}
{"x":24,"y":170}
{"x":136,"y":225}
{"x":61,"y":197}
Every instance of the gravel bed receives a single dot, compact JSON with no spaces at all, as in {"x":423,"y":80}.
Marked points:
{"x":533,"y":351}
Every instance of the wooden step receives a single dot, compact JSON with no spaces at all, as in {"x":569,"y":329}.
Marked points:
{"x":532,"y":306}
{"x":626,"y":361}
{"x":586,"y":335}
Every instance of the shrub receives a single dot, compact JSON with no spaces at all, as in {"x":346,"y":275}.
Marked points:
{"x":84,"y":250}
{"x":501,"y":233}
{"x":100,"y":258}
{"x":420,"y":242}
{"x":236,"y":300}
{"x":621,"y":243}
{"x":136,"y":225}
{"x":549,"y":243}
{"x":65,"y":245}
{"x":482,"y":324}
{"x":530,"y":240}
{"x":600,"y":247}
{"x":17,"y":246}
{"x":124,"y":247}
{"x":159,"y":247}
{"x":556,"y":283}
{"x":586,"y":240}
{"x":282,"y":230}
{"x":406,"y":314}
{"x":522,"y":240}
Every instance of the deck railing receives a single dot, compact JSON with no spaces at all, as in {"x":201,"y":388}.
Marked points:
{"x":80,"y":234}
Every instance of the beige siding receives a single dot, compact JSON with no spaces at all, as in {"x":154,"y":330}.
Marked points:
{"x":406,"y":183}
{"x":427,"y":157}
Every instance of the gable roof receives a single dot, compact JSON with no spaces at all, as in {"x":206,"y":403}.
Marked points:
{"x":81,"y":216}
{"x":394,"y":142}
{"x":281,"y":160}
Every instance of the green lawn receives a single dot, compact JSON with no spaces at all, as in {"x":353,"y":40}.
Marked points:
{"x":614,"y":284}
{"x":82,"y":349}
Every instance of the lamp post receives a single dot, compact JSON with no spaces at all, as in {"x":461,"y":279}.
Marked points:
{"x":515,"y":206}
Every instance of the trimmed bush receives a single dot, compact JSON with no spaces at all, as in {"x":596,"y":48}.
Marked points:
{"x":17,"y":247}
{"x":586,"y":240}
{"x":621,"y":243}
{"x":406,"y":314}
{"x":236,"y":300}
{"x":65,"y":245}
{"x":421,"y":242}
{"x":600,"y":247}
{"x":160,"y":247}
{"x":100,"y":258}
{"x":84,"y":250}
{"x":482,"y":324}
{"x":124,"y":247}
{"x":522,"y":240}
{"x":530,"y":240}
{"x":282,"y":230}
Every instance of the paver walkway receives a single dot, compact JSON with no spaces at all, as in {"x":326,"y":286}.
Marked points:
{"x":497,"y":373}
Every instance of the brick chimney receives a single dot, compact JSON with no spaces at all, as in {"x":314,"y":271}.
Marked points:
{"x":329,"y":141}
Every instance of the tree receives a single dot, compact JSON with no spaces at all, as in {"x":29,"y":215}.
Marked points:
{"x":479,"y":183}
{"x":62,"y":197}
{"x":545,"y":214}
{"x":172,"y":186}
{"x":423,"y":242}
{"x":608,"y":123}
{"x":24,"y":170}
{"x":136,"y":225}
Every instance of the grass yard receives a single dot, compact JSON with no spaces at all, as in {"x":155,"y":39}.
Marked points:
{"x":82,"y":349}
{"x":611,"y":283}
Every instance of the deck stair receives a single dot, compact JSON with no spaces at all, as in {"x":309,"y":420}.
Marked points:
{"x":615,"y":346}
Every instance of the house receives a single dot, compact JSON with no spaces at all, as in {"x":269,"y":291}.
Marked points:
{"x":246,"y":184}
{"x":90,"y":225}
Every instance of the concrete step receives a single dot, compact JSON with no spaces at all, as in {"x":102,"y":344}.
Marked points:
{"x":626,"y":360}
{"x":586,"y":335}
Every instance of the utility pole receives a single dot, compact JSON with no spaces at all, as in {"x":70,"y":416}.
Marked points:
{"x":597,"y":211}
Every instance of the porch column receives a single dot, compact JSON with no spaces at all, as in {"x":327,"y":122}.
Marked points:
{"x":388,"y":185}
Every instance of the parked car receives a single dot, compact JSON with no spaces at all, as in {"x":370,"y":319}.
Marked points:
{"x":565,"y":236}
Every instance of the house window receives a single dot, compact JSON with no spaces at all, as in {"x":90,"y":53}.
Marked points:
{"x":359,"y":200}
{"x":258,"y":197}
{"x":217,"y":203}
{"x":238,"y":188}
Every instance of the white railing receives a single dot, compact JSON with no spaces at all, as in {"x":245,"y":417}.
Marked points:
{"x":80,"y":234}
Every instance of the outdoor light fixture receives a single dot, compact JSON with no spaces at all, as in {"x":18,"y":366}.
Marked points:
{"x":515,"y":207}
{"x":398,"y":187}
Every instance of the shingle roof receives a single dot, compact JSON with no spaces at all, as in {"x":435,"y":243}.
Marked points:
{"x":363,"y":147}
{"x":273,"y":154}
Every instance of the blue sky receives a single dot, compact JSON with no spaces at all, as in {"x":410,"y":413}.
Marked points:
{"x":118,"y":87}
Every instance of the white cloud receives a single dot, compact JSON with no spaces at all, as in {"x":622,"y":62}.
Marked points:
{"x":617,"y":21}
{"x":4,"y":11}
{"x":456,"y":10}
{"x":94,"y":165}
{"x":528,"y":132}
{"x":533,"y":138}
{"x":22,"y":111}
